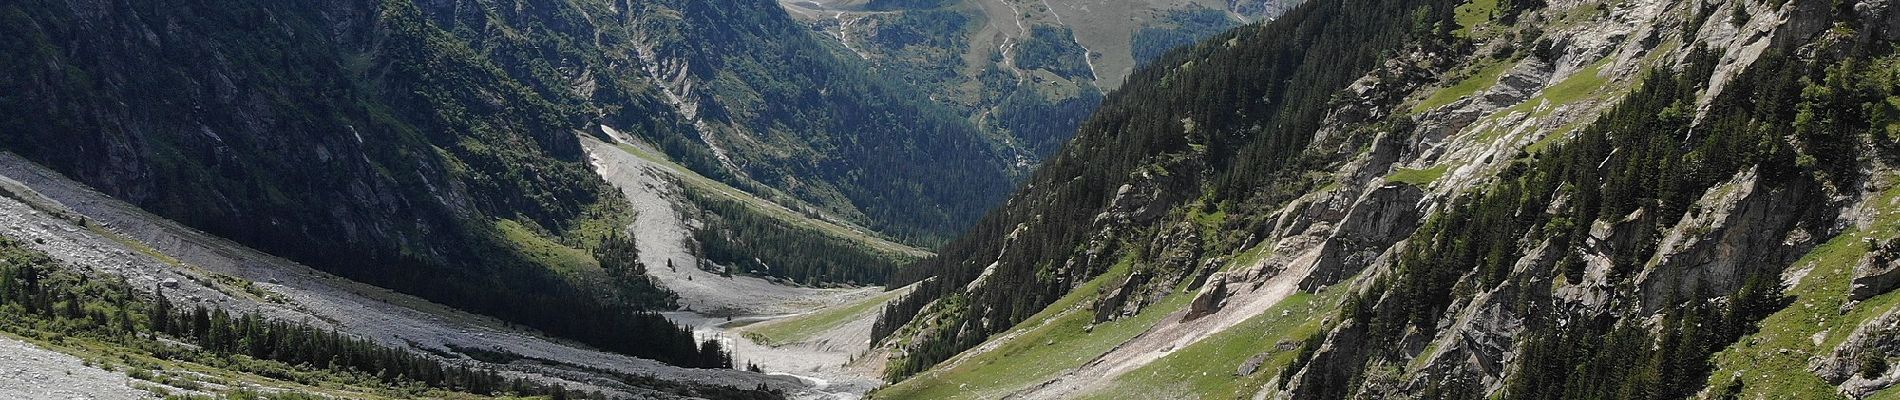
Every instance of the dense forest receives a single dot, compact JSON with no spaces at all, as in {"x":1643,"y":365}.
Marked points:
{"x":826,"y":127}
{"x":733,"y":234}
{"x":299,"y":151}
{"x":1235,"y":116}
{"x":290,"y":136}
{"x":48,"y":300}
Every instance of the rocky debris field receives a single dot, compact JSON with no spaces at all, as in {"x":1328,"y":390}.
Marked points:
{"x":664,"y":238}
{"x":31,"y":372}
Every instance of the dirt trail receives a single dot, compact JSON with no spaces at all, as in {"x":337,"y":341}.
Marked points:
{"x":303,"y":293}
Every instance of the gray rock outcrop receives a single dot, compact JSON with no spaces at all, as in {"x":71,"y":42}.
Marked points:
{"x":1212,"y":296}
{"x":1745,"y":226}
{"x":1381,"y":218}
{"x":1878,"y":271}
{"x":1854,"y":364}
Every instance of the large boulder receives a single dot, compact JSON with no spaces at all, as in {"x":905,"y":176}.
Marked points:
{"x":1878,"y":272}
{"x":1212,"y":296}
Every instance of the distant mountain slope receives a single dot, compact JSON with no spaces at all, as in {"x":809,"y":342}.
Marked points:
{"x":785,"y":116}
{"x":65,"y":244}
{"x":429,"y":147}
{"x":1025,"y":72}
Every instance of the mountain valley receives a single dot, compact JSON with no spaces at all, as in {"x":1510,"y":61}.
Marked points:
{"x":950,"y":199}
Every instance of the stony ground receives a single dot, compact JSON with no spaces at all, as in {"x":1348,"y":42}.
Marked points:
{"x":191,"y":262}
{"x":665,"y":239}
{"x":663,"y":236}
{"x":31,"y":372}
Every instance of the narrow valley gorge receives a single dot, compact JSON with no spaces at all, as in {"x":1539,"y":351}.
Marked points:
{"x":950,"y":199}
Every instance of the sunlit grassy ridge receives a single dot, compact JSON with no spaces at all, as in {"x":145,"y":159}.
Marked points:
{"x":1473,"y":16}
{"x":703,"y":183}
{"x":563,"y":259}
{"x":1584,"y":84}
{"x":1482,"y":79}
{"x":802,"y":327}
{"x":1419,"y":177}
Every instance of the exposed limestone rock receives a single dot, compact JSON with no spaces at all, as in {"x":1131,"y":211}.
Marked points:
{"x":1876,"y":341}
{"x":1622,"y":236}
{"x":1386,"y":150}
{"x":1519,"y":83}
{"x":1112,"y":304}
{"x":1478,"y":341}
{"x":1144,"y":199}
{"x":1210,"y":299}
{"x":1340,"y":351}
{"x":1370,"y":97}
{"x":1878,"y":272}
{"x":1252,"y":364}
{"x":1879,"y":18}
{"x":1314,"y":214}
{"x":1742,"y":226}
{"x":1381,"y":218}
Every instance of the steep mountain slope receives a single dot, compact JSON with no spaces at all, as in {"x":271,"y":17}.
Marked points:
{"x":1025,"y":72}
{"x":86,"y":275}
{"x":356,"y":137}
{"x":1448,"y":200}
{"x":430,"y":147}
{"x":1170,"y":137}
{"x":782,"y":113}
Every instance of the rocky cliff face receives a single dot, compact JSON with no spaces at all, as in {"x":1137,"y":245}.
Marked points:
{"x":1528,"y":195}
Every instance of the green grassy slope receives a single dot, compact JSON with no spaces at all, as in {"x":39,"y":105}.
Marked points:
{"x":767,"y":207}
{"x":803,"y":327}
{"x":1046,"y":345}
{"x":1773,"y":363}
{"x":1209,"y":368}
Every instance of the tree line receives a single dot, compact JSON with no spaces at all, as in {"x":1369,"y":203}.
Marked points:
{"x":734,"y":234}
{"x":45,"y":298}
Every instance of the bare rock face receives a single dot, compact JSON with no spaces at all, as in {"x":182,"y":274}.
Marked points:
{"x":1612,"y":238}
{"x":1880,"y":18}
{"x":1148,"y":196}
{"x":1743,"y":224}
{"x":1210,"y":299}
{"x":1878,"y":272}
{"x":1860,"y":366}
{"x":1114,"y":303}
{"x":1381,"y":218}
{"x":1479,"y":341}
{"x":1518,"y":84}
